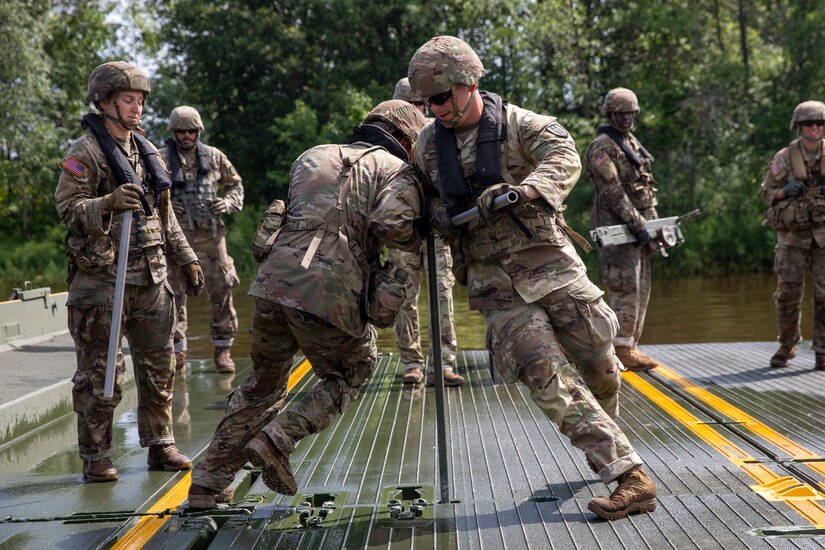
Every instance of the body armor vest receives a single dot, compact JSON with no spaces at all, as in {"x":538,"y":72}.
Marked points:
{"x":805,"y":211}
{"x":195,"y":195}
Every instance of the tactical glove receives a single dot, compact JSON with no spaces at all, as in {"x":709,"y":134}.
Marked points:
{"x":422,"y":227}
{"x":642,"y":237}
{"x":195,"y":281}
{"x":218,"y":207}
{"x":441,"y":221}
{"x":124,"y":197}
{"x":793,"y":188}
{"x":485,"y":200}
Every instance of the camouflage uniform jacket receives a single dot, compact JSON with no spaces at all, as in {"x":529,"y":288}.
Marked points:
{"x":810,"y":205}
{"x":498,"y":257}
{"x":623,"y":194}
{"x":381,"y":198}
{"x":93,"y":238}
{"x":221,"y":173}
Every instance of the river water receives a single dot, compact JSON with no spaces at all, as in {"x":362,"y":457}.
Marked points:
{"x":724,"y":309}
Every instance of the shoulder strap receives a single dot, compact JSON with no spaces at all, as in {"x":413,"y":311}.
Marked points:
{"x":617,"y":137}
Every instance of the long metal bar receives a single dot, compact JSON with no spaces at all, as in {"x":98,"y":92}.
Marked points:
{"x":472,"y":214}
{"x":117,"y":307}
{"x":435,"y":346}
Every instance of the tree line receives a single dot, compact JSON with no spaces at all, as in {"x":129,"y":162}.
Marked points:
{"x":717,"y":81}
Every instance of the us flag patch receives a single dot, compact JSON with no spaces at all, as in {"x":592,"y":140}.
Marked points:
{"x":601,"y":159}
{"x":73,"y":166}
{"x":775,"y":168}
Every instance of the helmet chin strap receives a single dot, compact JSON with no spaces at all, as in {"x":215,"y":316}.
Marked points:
{"x":126,"y":124}
{"x":459,"y":113}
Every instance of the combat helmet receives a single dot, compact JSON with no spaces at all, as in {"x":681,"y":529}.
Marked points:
{"x":404,"y":92}
{"x":116,"y":75}
{"x":620,"y":100}
{"x":185,"y":117}
{"x":807,"y":110}
{"x":400,"y":115}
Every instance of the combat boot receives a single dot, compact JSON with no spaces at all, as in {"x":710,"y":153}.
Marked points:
{"x":413,"y":375}
{"x":167,"y":457}
{"x":782,"y":356}
{"x":820,"y":361}
{"x":99,"y":471}
{"x":180,"y":360}
{"x":223,"y":361}
{"x":636,"y":493}
{"x":634,"y":360}
{"x":202,"y":498}
{"x":275,"y":469}
{"x":451,"y":379}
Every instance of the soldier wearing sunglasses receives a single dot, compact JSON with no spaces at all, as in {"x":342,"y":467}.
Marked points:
{"x":794,"y":190}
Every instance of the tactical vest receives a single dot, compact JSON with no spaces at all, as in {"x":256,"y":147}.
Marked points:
{"x":194,"y":195}
{"x":805,"y":211}
{"x":639,"y":189}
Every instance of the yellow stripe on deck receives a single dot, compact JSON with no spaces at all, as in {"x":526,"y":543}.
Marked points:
{"x":147,"y":526}
{"x":808,"y":508}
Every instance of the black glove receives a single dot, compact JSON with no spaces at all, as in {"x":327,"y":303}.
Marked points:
{"x":642,"y":237}
{"x":422,"y":227}
{"x":485,"y":200}
{"x":441,"y":221}
{"x":793,"y":188}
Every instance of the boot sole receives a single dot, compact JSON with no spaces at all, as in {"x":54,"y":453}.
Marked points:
{"x":644,"y":507}
{"x":100,"y":479}
{"x":156,"y":466}
{"x":276,"y":476}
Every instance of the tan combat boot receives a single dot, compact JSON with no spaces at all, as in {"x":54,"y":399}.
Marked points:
{"x":167,"y":457}
{"x":634,"y":360}
{"x":275,"y":469}
{"x":782,"y":356}
{"x":223,"y":361}
{"x":451,"y":379}
{"x":820,"y":361}
{"x":636,"y":494}
{"x":180,"y":360}
{"x":202,"y":498}
{"x":413,"y":375}
{"x":100,"y":471}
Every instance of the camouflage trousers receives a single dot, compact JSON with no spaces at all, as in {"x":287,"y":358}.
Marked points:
{"x":148,"y":322}
{"x":790,"y":265}
{"x":537,"y":344}
{"x":626,"y":273}
{"x":342,"y":363}
{"x":407,"y":329}
{"x":219,"y":271}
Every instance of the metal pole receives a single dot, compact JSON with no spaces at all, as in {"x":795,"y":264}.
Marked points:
{"x":471,"y":214}
{"x":435,"y":346}
{"x":117,"y":307}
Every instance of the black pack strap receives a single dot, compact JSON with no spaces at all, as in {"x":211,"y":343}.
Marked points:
{"x":631,"y":155}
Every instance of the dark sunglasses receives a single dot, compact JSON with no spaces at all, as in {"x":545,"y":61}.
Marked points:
{"x":807,"y":123}
{"x":439,"y":99}
{"x":186,"y":131}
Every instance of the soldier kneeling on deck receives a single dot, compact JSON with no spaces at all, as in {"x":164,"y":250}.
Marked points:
{"x":346,"y":202}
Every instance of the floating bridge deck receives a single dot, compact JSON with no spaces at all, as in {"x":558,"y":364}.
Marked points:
{"x":737,"y":450}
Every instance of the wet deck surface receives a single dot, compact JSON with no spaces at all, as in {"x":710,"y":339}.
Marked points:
{"x":735,"y":447}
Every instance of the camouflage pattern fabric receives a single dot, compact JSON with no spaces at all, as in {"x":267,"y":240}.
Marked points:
{"x":206,"y":234}
{"x":797,"y":252}
{"x":313,"y":302}
{"x":115,"y":75}
{"x":92,"y":243}
{"x":623,"y":195}
{"x":442,"y":62}
{"x":407,"y":329}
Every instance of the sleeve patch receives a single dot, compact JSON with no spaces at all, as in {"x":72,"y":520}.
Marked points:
{"x":74,"y":167}
{"x":601,"y":159}
{"x":775,"y":168}
{"x":557,"y":130}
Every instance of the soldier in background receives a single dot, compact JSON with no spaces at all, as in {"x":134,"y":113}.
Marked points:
{"x":345,"y":203}
{"x":794,"y":190}
{"x":520,"y":268}
{"x":407,"y":328}
{"x":619,"y":167}
{"x":91,"y":196}
{"x":198,"y":173}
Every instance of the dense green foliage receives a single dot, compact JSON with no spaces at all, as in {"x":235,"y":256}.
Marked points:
{"x":717,"y":82}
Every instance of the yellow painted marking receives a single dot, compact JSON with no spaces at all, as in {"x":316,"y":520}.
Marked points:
{"x":147,"y":526}
{"x":811,"y":510}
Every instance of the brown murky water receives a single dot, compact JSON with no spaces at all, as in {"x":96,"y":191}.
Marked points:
{"x":728,"y":309}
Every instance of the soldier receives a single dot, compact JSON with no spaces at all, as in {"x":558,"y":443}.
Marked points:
{"x":345,"y":203}
{"x":407,"y":331}
{"x":794,"y":190}
{"x":521,"y":269}
{"x":619,"y":167}
{"x":92,"y":193}
{"x":198,"y":173}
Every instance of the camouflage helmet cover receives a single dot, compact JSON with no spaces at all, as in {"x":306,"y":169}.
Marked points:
{"x":620,"y":100}
{"x":185,"y":117}
{"x":807,"y":110}
{"x":116,"y":75}
{"x":404,"y":92}
{"x":442,"y":62}
{"x":399,"y":114}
